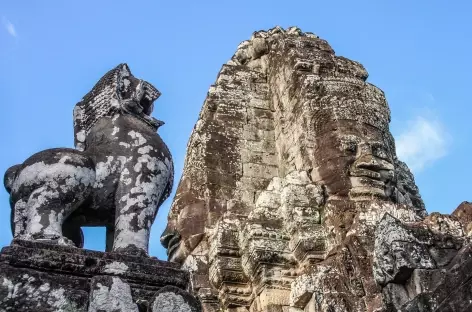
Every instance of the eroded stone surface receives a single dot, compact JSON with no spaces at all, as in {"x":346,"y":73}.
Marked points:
{"x":422,"y":265}
{"x":111,"y":294}
{"x":38,"y":276}
{"x":464,"y":214}
{"x":23,"y":290}
{"x":172,"y":299}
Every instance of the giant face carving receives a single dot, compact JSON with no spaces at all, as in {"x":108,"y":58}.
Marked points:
{"x":328,"y":101}
{"x":184,"y":232}
{"x":186,"y":223}
{"x":354,"y":157}
{"x":354,"y":160}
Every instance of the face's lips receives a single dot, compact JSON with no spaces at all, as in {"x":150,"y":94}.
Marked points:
{"x":166,"y":237}
{"x":151,"y":121}
{"x":365,"y":173}
{"x":362,"y":179}
{"x":146,"y":104}
{"x":367,"y":183}
{"x":173,"y":245}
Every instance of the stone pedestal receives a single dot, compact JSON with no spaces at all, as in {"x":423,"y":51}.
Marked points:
{"x":37,"y":276}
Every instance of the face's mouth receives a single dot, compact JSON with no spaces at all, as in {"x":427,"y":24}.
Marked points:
{"x":138,"y":98}
{"x":171,"y":241}
{"x":146,"y":94}
{"x":147,"y":104}
{"x":174,"y":245}
{"x":370,"y":183}
{"x":365,"y":173}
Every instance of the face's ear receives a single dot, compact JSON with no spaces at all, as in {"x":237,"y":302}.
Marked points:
{"x":127,"y":85}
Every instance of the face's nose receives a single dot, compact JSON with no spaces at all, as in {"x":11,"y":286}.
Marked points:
{"x":368,"y":162}
{"x":366,"y":159}
{"x":168,"y":234}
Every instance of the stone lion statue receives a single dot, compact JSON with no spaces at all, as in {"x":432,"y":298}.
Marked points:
{"x":119,"y":174}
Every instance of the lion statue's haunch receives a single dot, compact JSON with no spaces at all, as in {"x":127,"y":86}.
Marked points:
{"x":118,"y":175}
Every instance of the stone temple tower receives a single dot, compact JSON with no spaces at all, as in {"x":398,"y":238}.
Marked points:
{"x":292,"y":194}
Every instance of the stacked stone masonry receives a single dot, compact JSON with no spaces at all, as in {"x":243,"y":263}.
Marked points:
{"x":292,"y":197}
{"x":45,"y":277}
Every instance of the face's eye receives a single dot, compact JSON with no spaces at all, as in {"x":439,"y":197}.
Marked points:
{"x":349,"y":147}
{"x":350,"y":144}
{"x":380,"y":152}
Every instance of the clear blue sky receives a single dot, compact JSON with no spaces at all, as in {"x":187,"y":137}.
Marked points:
{"x":52,"y":53}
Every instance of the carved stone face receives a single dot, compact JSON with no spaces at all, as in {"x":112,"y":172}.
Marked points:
{"x":185,"y":232}
{"x":138,"y":92}
{"x":354,"y":160}
{"x":186,"y":224}
{"x":137,"y":98}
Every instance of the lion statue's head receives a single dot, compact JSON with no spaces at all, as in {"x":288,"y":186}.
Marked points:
{"x":117,"y":92}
